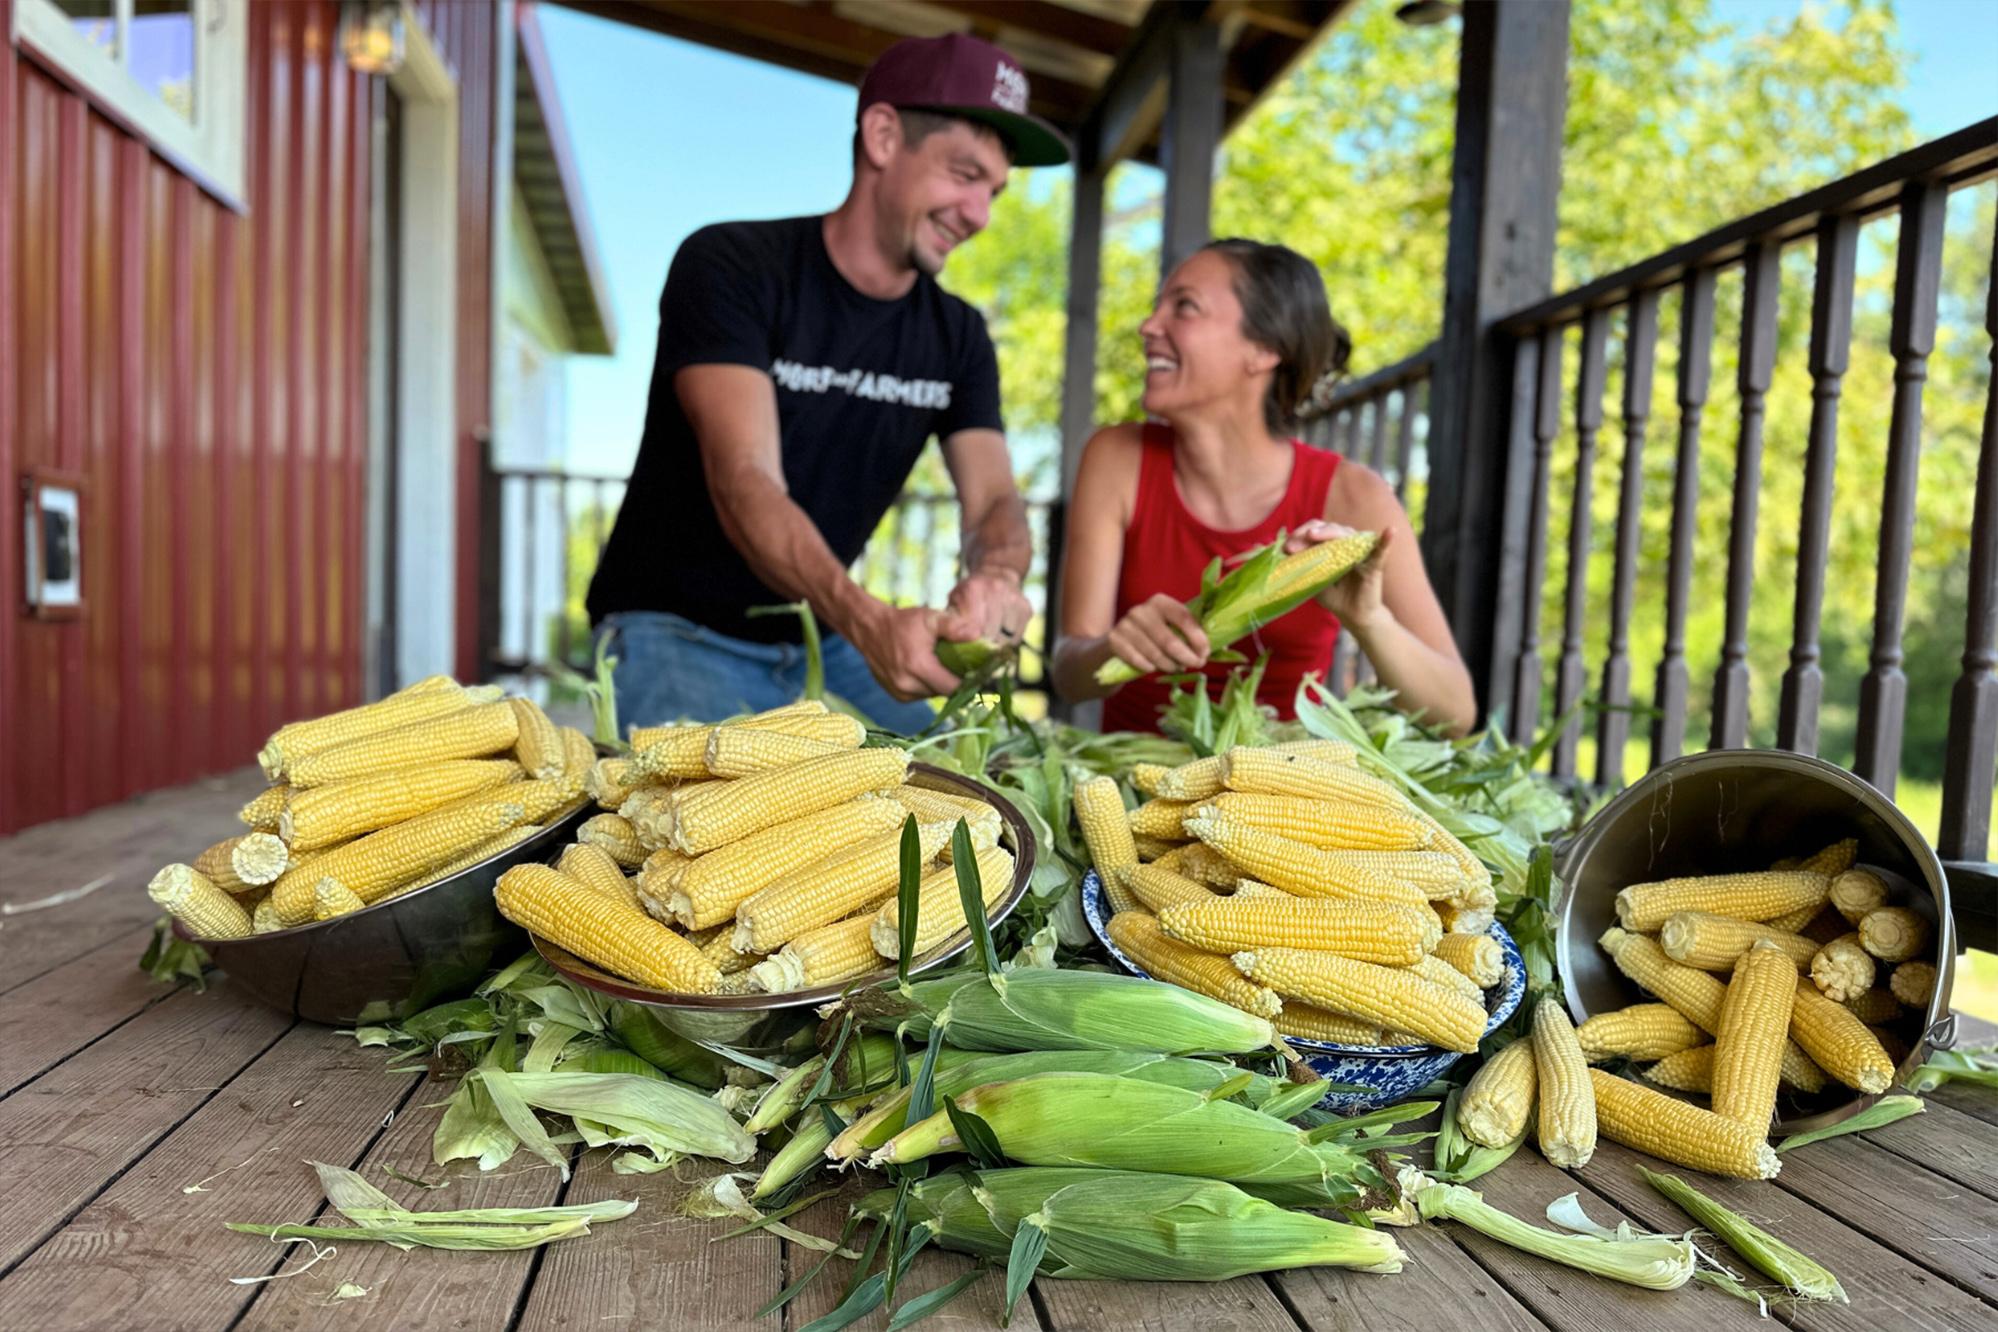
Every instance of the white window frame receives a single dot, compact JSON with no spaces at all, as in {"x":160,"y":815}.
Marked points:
{"x":209,"y":148}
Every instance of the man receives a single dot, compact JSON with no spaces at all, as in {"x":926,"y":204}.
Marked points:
{"x":802,"y":366}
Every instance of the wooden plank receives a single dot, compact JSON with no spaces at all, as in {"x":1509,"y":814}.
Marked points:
{"x":1962,"y":1147}
{"x":155,"y":1254}
{"x":1977,"y":1102}
{"x":424,"y":1287}
{"x":1245,"y":1304}
{"x":1930,"y":1220}
{"x":656,"y":1269}
{"x":61,"y":1011}
{"x":1439,"y":1287}
{"x":1886,"y":1290}
{"x":71,"y":1131}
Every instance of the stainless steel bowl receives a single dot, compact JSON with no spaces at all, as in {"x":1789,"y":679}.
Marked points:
{"x":397,"y":957}
{"x":1734,"y":810}
{"x":761,"y":1022}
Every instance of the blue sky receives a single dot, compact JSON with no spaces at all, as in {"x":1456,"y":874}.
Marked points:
{"x":671,"y":136}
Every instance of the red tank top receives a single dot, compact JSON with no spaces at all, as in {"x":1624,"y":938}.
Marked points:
{"x":1165,"y":550}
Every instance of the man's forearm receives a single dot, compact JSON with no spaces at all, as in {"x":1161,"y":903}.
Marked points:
{"x":784,"y":548}
{"x":998,"y":540}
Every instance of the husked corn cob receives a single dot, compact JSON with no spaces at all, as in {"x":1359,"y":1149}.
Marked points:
{"x":1440,"y":973}
{"x":593,"y":866}
{"x":1835,"y":859}
{"x":1167,"y":959}
{"x":612,"y":780}
{"x":1787,"y":863}
{"x":1295,"y":867}
{"x":1697,"y":995}
{"x":217,"y":865}
{"x":616,"y":836}
{"x":1891,"y":1041}
{"x":425,"y":699}
{"x":1690,"y":1070}
{"x":718,"y":946}
{"x":724,"y":812}
{"x":1250,"y":889}
{"x":1641,"y":1031}
{"x":1842,"y":969}
{"x":194,"y":900}
{"x":1391,"y":996}
{"x":1203,"y":778}
{"x":1308,"y":1022}
{"x":663,"y":866}
{"x":709,"y":888}
{"x":824,"y":956}
{"x":940,"y":806}
{"x":643,"y":737}
{"x":1715,"y":943}
{"x":538,"y":745}
{"x":1462,"y":919}
{"x":579,"y":756}
{"x":1327,"y":824}
{"x":539,"y":801}
{"x":1913,"y":983}
{"x":1378,"y":932}
{"x":1748,"y":1048}
{"x":672,"y":752}
{"x":1893,"y":934}
{"x":1270,"y":772}
{"x":1201,"y":863}
{"x":1856,"y":892}
{"x":1150,"y":849}
{"x":1839,"y":1042}
{"x":1567,"y":1128}
{"x":1794,"y":922}
{"x":832,"y":889}
{"x":984,"y":833}
{"x":620,"y":939}
{"x":1437,"y":873}
{"x":940,"y":907}
{"x":1156,"y":889}
{"x":1099,"y":812}
{"x":375,"y":864}
{"x":264,"y":920}
{"x":1498,"y":1101}
{"x":321,"y":816}
{"x":478,"y":855}
{"x":682,"y":751}
{"x":332,"y":898}
{"x":1754,"y":896}
{"x":738,"y":751}
{"x":258,"y":858}
{"x":261,"y":814}
{"x":1875,"y":1006}
{"x":1159,"y":818}
{"x":1145,"y":778}
{"x":645,"y":810}
{"x":1680,"y":1132}
{"x":473,"y":732}
{"x":1477,"y":956}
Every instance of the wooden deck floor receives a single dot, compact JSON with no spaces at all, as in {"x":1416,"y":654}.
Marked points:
{"x":135,"y":1120}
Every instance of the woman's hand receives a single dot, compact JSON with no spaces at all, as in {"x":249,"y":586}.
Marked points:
{"x":1160,"y":634}
{"x":1356,"y":598}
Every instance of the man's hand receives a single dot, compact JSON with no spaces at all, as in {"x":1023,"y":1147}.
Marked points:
{"x":900,"y":645}
{"x":989,"y":606}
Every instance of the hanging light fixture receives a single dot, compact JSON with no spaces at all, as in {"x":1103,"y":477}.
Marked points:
{"x":371,"y":36}
{"x":1422,"y":13}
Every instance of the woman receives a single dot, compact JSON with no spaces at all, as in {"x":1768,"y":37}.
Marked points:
{"x":1239,"y":335}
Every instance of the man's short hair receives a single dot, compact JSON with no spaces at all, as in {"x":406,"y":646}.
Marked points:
{"x":918,"y":124}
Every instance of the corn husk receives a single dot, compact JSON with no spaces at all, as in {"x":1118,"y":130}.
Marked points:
{"x":1798,"y":1273}
{"x":664,"y":1120}
{"x":1093,"y":1010}
{"x":1656,"y":1262}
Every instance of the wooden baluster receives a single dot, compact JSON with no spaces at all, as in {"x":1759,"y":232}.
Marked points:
{"x":1404,"y":441}
{"x":1546,"y":424}
{"x":563,"y":514}
{"x":1640,"y":359}
{"x":1349,"y":430}
{"x":1377,"y":443}
{"x":1696,"y":341}
{"x":1831,"y":343}
{"x":1572,"y":677}
{"x":1972,"y":757}
{"x":530,"y":644}
{"x":1883,"y":692}
{"x":1763,"y":266}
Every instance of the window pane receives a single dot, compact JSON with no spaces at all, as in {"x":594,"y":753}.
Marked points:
{"x":162,"y":51}
{"x":95,"y":20}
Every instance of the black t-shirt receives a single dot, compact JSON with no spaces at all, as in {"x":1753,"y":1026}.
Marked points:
{"x":861,"y":383}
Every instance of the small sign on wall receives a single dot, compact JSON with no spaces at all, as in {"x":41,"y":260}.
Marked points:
{"x":52,"y":536}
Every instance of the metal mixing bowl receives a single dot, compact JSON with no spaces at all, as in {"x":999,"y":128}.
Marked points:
{"x":1732,"y":810}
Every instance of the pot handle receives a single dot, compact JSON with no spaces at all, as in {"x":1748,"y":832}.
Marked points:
{"x":1943,"y":1034}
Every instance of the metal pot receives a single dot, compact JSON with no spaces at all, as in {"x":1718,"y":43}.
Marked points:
{"x":1732,"y":810}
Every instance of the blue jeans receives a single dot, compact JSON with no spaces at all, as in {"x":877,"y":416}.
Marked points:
{"x":671,"y":669}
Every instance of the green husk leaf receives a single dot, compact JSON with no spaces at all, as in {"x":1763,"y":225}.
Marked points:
{"x":870,"y":1294}
{"x":1656,"y":1262}
{"x":971,"y":895}
{"x":922,"y":1092}
{"x":980,"y":1143}
{"x":909,"y":895}
{"x":1977,"y":1067}
{"x":170,"y":959}
{"x":662,"y":1118}
{"x":796,"y":1288}
{"x":1885,"y":1111}
{"x":1030,"y":1245}
{"x":1796,"y":1271}
{"x":921,"y":1307}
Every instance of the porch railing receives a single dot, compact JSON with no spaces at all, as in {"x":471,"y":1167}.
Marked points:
{"x":1915,"y":185}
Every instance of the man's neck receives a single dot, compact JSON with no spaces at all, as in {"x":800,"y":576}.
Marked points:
{"x":853,"y":245}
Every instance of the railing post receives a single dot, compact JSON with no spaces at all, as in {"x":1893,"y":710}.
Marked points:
{"x":1189,"y":137}
{"x":1572,"y":677}
{"x":489,"y":555}
{"x":1504,"y":187}
{"x":1546,"y":418}
{"x":1764,"y":266}
{"x":1640,"y":355}
{"x":1696,"y":340}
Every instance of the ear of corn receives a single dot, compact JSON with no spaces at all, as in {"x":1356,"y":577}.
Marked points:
{"x":1393,"y":997}
{"x":1756,"y":896}
{"x":1498,"y":1101}
{"x":478,"y":855}
{"x":1893,"y":934}
{"x":194,"y":900}
{"x":1856,"y":892}
{"x":1715,"y":943}
{"x":718,"y":946}
{"x":1690,"y":1070}
{"x":322,"y":816}
{"x":1679,"y":1132}
{"x":1294,"y":866}
{"x":1327,"y":823}
{"x":264,"y":920}
{"x":612,"y":780}
{"x":217,"y":865}
{"x":332,"y":898}
{"x":1838,"y":1042}
{"x":1876,"y":1006}
{"x":621,"y":939}
{"x":1379,"y":932}
{"x":1167,"y":959}
{"x":1437,"y":873}
{"x":1477,"y":956}
{"x":471,"y":732}
{"x":724,"y":812}
{"x":261,"y":814}
{"x":940,"y":806}
{"x":1250,"y":889}
{"x":1842,"y":969}
{"x":538,"y":746}
{"x":258,"y":858}
{"x":1794,"y":922}
{"x":940,"y":907}
{"x":373,"y":865}
{"x":709,"y":888}
{"x":1145,"y":778}
{"x":1641,"y":1031}
{"x":1273,"y":772}
{"x":829,"y":890}
{"x":1202,"y":779}
{"x":1567,"y":1127}
{"x":1099,"y":812}
{"x":579,"y":756}
{"x":593,"y":866}
{"x":1149,"y":849}
{"x":1156,"y":889}
{"x":738,"y":751}
{"x":1748,"y":1048}
{"x":1310,"y":1023}
{"x":1035,"y":1009}
{"x":541,"y":801}
{"x":616,"y":837}
{"x":822,"y":956}
{"x":1913,"y":983}
{"x":1441,"y":974}
{"x":1159,"y":818}
{"x":428,"y":698}
{"x":1201,"y":863}
{"x":1835,"y":859}
{"x":672,"y":752}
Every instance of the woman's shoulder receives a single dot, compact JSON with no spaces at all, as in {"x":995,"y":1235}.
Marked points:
{"x":1115,"y":449}
{"x":1359,"y":496}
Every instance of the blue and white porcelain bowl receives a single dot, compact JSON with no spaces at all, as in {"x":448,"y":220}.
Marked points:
{"x":1389,"y":1073}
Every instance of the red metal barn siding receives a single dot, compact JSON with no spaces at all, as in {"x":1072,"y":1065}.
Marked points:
{"x":205,"y":371}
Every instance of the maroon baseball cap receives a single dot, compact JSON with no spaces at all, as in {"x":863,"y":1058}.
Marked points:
{"x":969,"y":78}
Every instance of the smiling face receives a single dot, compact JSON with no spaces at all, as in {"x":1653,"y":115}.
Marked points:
{"x":1196,"y":354}
{"x":935,"y":193}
